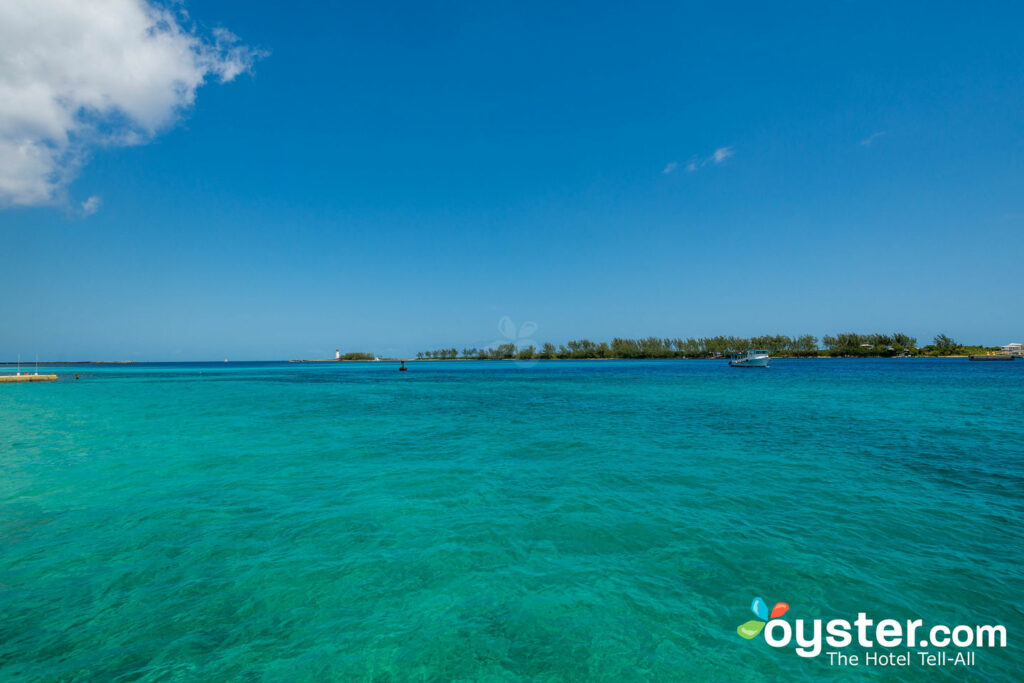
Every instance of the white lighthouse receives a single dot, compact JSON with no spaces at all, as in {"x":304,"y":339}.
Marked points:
{"x":337,"y":354}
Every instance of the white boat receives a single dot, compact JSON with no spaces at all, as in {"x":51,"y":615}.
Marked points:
{"x":750,"y":359}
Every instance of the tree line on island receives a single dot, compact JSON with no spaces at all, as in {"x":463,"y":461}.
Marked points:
{"x":357,"y":355}
{"x":847,"y":344}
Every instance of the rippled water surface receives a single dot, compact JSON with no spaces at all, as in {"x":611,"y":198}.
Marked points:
{"x":489,"y":521}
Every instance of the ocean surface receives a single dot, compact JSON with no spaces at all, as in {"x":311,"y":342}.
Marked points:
{"x":557,"y":521}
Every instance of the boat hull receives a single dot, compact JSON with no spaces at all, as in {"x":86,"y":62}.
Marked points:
{"x":749,"y":363}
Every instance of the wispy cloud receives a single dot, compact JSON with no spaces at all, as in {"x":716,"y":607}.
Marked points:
{"x":91,"y":205}
{"x":670,"y":167}
{"x":869,"y":140}
{"x":80,"y":76}
{"x":698,"y":162}
{"x":721,"y":154}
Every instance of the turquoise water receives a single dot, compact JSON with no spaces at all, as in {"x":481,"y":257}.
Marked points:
{"x":490,"y":521}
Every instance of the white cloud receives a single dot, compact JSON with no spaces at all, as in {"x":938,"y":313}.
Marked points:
{"x":869,"y":140}
{"x":670,"y":167}
{"x":721,"y":154}
{"x":76,"y":76}
{"x":717,"y":157}
{"x":91,"y":205}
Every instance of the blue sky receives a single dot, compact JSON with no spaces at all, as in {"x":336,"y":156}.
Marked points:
{"x":394,"y":177}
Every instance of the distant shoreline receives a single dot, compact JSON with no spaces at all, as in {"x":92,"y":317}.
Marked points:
{"x":79,"y":362}
{"x":858,"y":357}
{"x":336,"y":360}
{"x":436,"y":360}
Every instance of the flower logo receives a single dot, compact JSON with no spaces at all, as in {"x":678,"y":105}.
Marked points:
{"x":520,"y":337}
{"x":516,"y":340}
{"x":751,"y":628}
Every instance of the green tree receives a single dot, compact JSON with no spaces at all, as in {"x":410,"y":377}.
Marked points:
{"x":806,"y":344}
{"x":505,"y":351}
{"x":903,"y":342}
{"x":526,"y":353}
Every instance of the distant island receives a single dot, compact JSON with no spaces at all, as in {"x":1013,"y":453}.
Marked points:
{"x":843,"y":345}
{"x":358,"y":355}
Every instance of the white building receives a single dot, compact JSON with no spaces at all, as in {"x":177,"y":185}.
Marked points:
{"x":337,"y":354}
{"x":1014,"y":349}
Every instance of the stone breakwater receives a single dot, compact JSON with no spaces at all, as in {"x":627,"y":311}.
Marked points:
{"x":27,"y":378}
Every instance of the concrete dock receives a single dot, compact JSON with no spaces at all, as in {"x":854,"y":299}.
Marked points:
{"x":27,"y":378}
